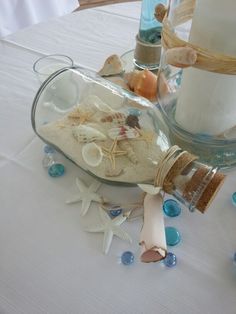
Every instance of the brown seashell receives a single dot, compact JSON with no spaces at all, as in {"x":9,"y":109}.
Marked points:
{"x":132,"y":121}
{"x":125,"y":145}
{"x":160,"y":12}
{"x":117,"y":118}
{"x":112,"y":66}
{"x":143,"y":83}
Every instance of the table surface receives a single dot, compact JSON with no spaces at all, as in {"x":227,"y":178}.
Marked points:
{"x":48,"y":264}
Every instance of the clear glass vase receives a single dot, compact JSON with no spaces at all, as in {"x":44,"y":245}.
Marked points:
{"x":198,"y":100}
{"x":116,"y":136}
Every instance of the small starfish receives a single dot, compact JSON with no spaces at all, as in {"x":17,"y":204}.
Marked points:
{"x":111,"y":153}
{"x":146,"y":136}
{"x":87,"y":195}
{"x":110,"y":227}
{"x":82,"y":116}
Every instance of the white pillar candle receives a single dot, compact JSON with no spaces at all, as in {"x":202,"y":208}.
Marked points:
{"x":207,"y":100}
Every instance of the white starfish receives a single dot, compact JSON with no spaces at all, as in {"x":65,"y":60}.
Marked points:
{"x":86,"y":195}
{"x":110,"y":227}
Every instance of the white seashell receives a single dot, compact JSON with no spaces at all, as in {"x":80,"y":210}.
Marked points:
{"x":112,"y":66}
{"x":86,"y":134}
{"x":123,"y":132}
{"x":98,"y":103}
{"x":125,"y":145}
{"x":150,"y":189}
{"x":92,"y":154}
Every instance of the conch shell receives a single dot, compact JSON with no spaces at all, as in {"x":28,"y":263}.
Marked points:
{"x":112,"y":66}
{"x":125,"y":145}
{"x":143,"y":83}
{"x":86,"y":134}
{"x":92,"y":154}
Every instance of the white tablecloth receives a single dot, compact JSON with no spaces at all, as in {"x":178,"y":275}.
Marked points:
{"x":48,"y":264}
{"x":17,"y":14}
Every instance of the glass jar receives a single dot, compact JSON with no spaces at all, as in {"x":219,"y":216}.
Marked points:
{"x":118,"y":137}
{"x":198,"y":99}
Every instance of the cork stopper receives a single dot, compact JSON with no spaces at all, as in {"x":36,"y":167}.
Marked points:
{"x":209,"y":182}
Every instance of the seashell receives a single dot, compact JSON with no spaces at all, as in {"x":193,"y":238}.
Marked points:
{"x":117,"y":118}
{"x":98,"y":103}
{"x":85,"y":134}
{"x":132,"y":121}
{"x":143,"y":83}
{"x":92,"y":154}
{"x":160,"y":12}
{"x":122,"y":133}
{"x":181,"y":57}
{"x":125,"y":145}
{"x":112,"y":66}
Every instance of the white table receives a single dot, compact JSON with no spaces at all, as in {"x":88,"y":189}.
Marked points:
{"x":48,"y":263}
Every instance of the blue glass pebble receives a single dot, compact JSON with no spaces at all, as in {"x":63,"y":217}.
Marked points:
{"x":170,"y":260}
{"x":127,"y":258}
{"x":49,"y":149}
{"x":172,"y":236}
{"x":116,"y":211}
{"x":171,"y":208}
{"x":234,"y":198}
{"x":48,"y":160}
{"x":134,"y":112}
{"x":56,"y":170}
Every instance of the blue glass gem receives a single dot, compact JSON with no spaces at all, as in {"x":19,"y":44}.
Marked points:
{"x":172,"y":236}
{"x":170,"y":260}
{"x":48,"y":149}
{"x":56,"y":170}
{"x":171,"y":208}
{"x":115,"y":211}
{"x":234,"y":198}
{"x":48,"y":160}
{"x":134,"y":112}
{"x":127,"y":258}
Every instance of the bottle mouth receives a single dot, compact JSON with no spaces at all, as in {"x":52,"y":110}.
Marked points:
{"x":203,"y":187}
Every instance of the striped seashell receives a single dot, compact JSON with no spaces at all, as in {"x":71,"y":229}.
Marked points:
{"x":123,"y":132}
{"x":86,"y":134}
{"x":117,"y":118}
{"x":125,"y":145}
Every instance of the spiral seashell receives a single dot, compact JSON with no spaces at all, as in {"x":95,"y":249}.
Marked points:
{"x":125,"y":145}
{"x":117,"y":118}
{"x":86,"y":134}
{"x":122,"y":133}
{"x":92,"y":154}
{"x":143,"y":83}
{"x":132,"y":121}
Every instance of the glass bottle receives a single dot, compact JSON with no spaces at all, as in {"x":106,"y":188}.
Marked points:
{"x":117,"y":137}
{"x":149,"y":28}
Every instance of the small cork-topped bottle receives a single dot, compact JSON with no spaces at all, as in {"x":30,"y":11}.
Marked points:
{"x":193,"y":183}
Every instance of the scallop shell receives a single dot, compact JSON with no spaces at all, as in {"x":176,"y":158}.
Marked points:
{"x":125,"y":145}
{"x":143,"y":83}
{"x":117,"y":118}
{"x":122,"y":133}
{"x":86,"y":134}
{"x":92,"y":154}
{"x":112,"y":66}
{"x":98,"y":103}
